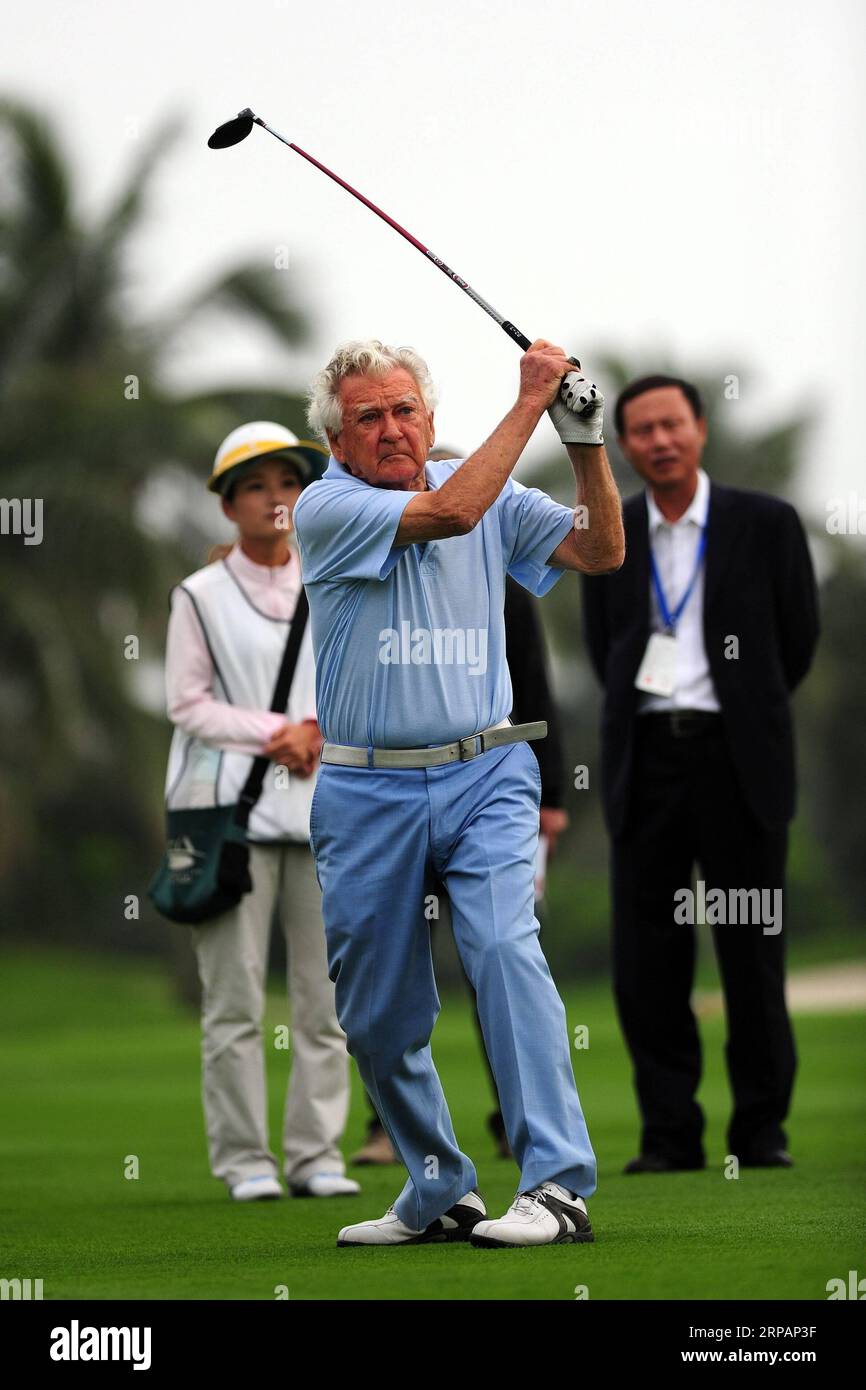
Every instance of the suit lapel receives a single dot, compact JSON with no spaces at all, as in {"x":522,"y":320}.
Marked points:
{"x":720,"y":540}
{"x":636,"y":525}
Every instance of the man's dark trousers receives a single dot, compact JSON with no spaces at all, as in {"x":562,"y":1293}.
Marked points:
{"x":714,"y":797}
{"x":687,"y":808}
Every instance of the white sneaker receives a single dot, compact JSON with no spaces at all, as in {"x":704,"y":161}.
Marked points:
{"x":546,"y":1215}
{"x":326,"y":1185}
{"x":456,"y":1224}
{"x":256,"y":1189}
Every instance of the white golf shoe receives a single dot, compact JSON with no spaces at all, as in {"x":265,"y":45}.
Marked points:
{"x":455,"y":1224}
{"x":546,"y":1215}
{"x":256,"y":1189}
{"x":326,"y":1185}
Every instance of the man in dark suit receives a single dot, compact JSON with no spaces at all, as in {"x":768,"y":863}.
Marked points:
{"x":699,"y":640}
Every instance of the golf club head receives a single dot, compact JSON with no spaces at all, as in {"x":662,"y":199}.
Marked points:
{"x":232,"y":132}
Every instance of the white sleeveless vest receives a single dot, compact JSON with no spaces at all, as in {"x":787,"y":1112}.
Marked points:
{"x":246,"y":647}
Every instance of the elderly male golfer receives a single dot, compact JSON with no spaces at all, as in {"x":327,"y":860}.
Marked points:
{"x":404,"y":562}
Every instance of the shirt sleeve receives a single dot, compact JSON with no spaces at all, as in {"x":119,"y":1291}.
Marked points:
{"x":347,"y":530}
{"x":531,"y":525}
{"x":189,"y":686}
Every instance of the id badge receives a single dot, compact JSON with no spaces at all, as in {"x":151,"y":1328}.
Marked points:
{"x":658,"y":670}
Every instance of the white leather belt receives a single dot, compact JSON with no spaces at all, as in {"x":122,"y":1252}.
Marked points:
{"x":462,"y":750}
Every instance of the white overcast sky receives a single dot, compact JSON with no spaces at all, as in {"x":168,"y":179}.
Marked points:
{"x":673,"y":177}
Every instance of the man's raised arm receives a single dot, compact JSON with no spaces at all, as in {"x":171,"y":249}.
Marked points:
{"x":597,"y":543}
{"x":458,"y":505}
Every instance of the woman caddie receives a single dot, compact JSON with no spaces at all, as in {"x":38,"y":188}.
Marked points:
{"x":227,"y":634}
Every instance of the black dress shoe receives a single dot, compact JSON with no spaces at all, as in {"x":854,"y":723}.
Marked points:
{"x":766,"y":1158}
{"x":660,"y":1163}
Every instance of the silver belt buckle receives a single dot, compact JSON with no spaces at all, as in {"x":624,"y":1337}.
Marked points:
{"x":465,"y":754}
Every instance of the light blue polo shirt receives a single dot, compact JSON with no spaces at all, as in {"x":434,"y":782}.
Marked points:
{"x":410,"y":639}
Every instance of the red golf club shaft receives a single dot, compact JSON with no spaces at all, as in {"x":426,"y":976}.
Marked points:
{"x":509,"y":328}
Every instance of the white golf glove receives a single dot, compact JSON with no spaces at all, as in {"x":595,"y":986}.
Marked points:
{"x":578,"y":411}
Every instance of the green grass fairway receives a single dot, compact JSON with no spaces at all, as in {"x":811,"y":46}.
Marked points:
{"x":98,"y":1063}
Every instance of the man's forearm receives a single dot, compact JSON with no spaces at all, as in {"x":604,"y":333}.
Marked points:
{"x":598,"y":545}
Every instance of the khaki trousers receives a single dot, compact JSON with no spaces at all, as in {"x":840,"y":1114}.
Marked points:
{"x":232,"y":954}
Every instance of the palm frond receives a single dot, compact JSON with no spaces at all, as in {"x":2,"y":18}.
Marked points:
{"x":259,"y":293}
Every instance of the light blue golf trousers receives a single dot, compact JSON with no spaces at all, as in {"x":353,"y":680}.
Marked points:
{"x":380,"y":838}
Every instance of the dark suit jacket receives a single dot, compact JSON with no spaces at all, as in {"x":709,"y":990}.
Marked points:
{"x":524,"y":652}
{"x":758,"y":586}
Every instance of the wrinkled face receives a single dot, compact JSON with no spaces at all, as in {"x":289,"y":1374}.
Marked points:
{"x":661,"y":438}
{"x":263,"y":500}
{"x":387,"y":430}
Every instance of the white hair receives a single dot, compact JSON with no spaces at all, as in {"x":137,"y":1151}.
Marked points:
{"x":362,"y":357}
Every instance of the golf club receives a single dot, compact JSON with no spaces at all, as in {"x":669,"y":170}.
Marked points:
{"x":232,"y":132}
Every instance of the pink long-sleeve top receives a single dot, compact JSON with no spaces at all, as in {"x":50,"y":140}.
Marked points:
{"x":189,"y":672}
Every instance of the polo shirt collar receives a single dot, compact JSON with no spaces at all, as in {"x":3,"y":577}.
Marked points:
{"x":339,"y":472}
{"x":336,"y":470}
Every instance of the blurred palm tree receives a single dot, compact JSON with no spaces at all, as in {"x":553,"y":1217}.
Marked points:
{"x":92,"y":429}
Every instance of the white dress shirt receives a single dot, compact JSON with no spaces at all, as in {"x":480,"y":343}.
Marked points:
{"x":674,"y":545}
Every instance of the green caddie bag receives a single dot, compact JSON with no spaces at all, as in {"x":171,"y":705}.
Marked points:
{"x":205,"y":869}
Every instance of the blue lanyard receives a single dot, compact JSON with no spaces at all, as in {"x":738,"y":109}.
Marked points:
{"x":670,"y":619}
